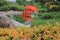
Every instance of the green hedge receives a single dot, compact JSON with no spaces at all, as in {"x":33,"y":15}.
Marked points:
{"x":3,"y":2}
{"x":50,"y":15}
{"x":42,"y":19}
{"x":6,"y":6}
{"x":47,"y":16}
{"x":14,"y":7}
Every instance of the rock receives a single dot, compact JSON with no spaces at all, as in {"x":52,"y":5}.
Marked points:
{"x":14,"y":13}
{"x":5,"y":21}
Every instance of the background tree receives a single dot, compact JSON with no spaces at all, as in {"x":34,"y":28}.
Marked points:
{"x":21,"y":2}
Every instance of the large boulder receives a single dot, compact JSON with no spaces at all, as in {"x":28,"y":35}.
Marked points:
{"x":6,"y":21}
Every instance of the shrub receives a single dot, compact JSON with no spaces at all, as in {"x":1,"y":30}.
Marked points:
{"x":47,"y":16}
{"x":50,"y":15}
{"x":3,"y":2}
{"x":42,"y":20}
{"x":20,"y":2}
{"x":5,"y":6}
{"x":15,"y":7}
{"x":18,"y":18}
{"x":57,"y":15}
{"x":39,"y":22}
{"x":46,"y":32}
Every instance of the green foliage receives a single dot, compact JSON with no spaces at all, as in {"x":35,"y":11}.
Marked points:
{"x":39,"y":22}
{"x":33,"y":2}
{"x":21,"y":2}
{"x":57,"y":15}
{"x":44,"y":22}
{"x":52,"y":17}
{"x":47,"y":16}
{"x":3,"y":2}
{"x":16,"y":7}
{"x":18,"y":18}
{"x":6,"y":6}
